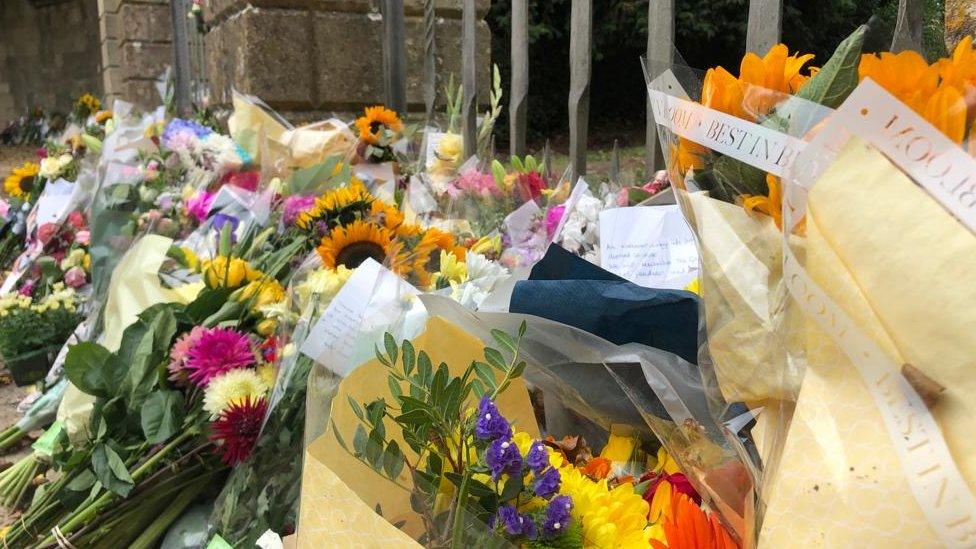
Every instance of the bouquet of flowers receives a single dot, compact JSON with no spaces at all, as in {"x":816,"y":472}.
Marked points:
{"x":32,"y":329}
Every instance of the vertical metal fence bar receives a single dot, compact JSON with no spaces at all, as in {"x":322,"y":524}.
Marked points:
{"x":394,"y":55}
{"x":181,"y":57}
{"x":908,"y":26}
{"x":580,"y":43}
{"x":765,"y":25}
{"x":660,"y":57}
{"x":518,"y":102}
{"x":469,"y":102}
{"x":430,"y":60}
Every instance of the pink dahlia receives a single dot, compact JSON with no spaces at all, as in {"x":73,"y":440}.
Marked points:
{"x":237,"y":429}
{"x":180,"y":351}
{"x":218,"y":350}
{"x":553,"y":217}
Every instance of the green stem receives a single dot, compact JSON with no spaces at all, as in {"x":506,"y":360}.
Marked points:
{"x":456,"y":537}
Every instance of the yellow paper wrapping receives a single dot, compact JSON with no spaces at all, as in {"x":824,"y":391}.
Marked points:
{"x":339,"y":492}
{"x":270,"y":143}
{"x":889,"y":256}
{"x":743,"y":294}
{"x":133,"y":288}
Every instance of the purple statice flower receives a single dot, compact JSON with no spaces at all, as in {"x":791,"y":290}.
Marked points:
{"x":514,"y":523}
{"x":546,"y":484}
{"x":503,"y":457}
{"x":491,"y":425}
{"x":538,"y":457}
{"x":178,"y":127}
{"x":557,"y":517}
{"x":294,"y":206}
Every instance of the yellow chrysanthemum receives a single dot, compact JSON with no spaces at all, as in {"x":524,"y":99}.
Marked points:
{"x":233,"y":387}
{"x":228,"y":272}
{"x":268,"y":373}
{"x":354,"y":243}
{"x":323,"y":283}
{"x":264,"y":291}
{"x":377,"y":118}
{"x":451,"y":270}
{"x":21,"y":181}
{"x":609,"y":518}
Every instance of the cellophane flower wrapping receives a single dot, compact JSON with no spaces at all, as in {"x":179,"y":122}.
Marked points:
{"x":879,"y":449}
{"x":576,"y":392}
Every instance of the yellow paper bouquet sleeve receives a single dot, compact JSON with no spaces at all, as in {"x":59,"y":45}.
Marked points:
{"x":900,"y":267}
{"x":340,"y":493}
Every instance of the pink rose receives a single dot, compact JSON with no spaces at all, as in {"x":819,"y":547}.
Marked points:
{"x":83,"y":237}
{"x":76,"y":219}
{"x":4,"y":208}
{"x":46,"y":232}
{"x":75,"y":277}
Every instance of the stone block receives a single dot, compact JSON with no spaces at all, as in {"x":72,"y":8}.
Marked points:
{"x":146,"y":59}
{"x":113,"y":80}
{"x":264,"y":53}
{"x":146,"y":22}
{"x":109,"y":26}
{"x":111,"y":53}
{"x":142,"y":93}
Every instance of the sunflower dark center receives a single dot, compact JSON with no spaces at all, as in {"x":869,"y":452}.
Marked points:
{"x":434,"y":262}
{"x":354,"y":254}
{"x":375,"y":126}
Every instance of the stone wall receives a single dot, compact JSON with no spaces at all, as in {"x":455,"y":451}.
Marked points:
{"x":306,"y":58}
{"x":49,"y":54}
{"x":136,"y":47}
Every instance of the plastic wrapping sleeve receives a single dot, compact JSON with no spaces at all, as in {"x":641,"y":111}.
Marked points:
{"x":587,"y":385}
{"x":880,"y":449}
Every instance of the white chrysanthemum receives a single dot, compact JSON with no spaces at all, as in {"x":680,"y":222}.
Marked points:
{"x":233,"y":387}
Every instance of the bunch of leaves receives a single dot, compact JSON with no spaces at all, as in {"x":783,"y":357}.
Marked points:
{"x":430,"y":410}
{"x":25,"y":330}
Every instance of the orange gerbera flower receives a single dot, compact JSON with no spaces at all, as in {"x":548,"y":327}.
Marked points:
{"x":906,"y":75}
{"x":769,"y":78}
{"x":377,"y":118}
{"x":686,"y":526}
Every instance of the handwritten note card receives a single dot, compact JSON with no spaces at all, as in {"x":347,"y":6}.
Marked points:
{"x":651,"y":246}
{"x":372,"y":297}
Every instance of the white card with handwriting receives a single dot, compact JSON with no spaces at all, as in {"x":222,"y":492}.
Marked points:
{"x":651,"y":246}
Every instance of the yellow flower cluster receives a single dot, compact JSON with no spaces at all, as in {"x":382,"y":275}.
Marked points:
{"x":228,"y":272}
{"x":89,"y":103}
{"x":76,"y":258}
{"x":61,"y":297}
{"x":20,"y":182}
{"x":610,"y":518}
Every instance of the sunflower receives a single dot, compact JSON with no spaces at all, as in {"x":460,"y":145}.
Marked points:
{"x":375,"y":120}
{"x":352,"y":244}
{"x":767,"y":78}
{"x":386,"y":215}
{"x":332,"y":202}
{"x":426,"y":257}
{"x":906,"y":75}
{"x":20,"y":182}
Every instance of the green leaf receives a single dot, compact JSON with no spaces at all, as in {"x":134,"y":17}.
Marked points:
{"x":92,"y":368}
{"x":409,"y":357}
{"x":495,"y":358}
{"x":393,"y":460}
{"x":839,"y":76}
{"x":162,"y":415}
{"x":485,"y":374}
{"x":83,"y":482}
{"x":513,"y":487}
{"x":374,"y":449}
{"x":734,"y":178}
{"x":504,"y":340}
{"x":207,"y":302}
{"x":339,"y":439}
{"x":416,"y":416}
{"x":395,"y":389}
{"x":518,"y":369}
{"x":391,"y":347}
{"x":375,"y":411}
{"x":356,"y":408}
{"x":636,"y":195}
{"x":110,"y":470}
{"x":380,"y":357}
{"x":424,"y":366}
{"x":360,"y":441}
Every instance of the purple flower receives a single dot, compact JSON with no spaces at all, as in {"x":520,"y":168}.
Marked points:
{"x":221,"y":219}
{"x":491,"y":425}
{"x":199,"y":205}
{"x":538,"y":457}
{"x":503,"y":457}
{"x":294,"y":206}
{"x":514,"y":523}
{"x":178,"y":127}
{"x":547,"y":483}
{"x":557,"y":517}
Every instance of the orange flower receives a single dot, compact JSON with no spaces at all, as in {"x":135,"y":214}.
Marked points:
{"x":960,"y":69}
{"x":771,"y":205}
{"x":905,"y":75}
{"x":723,"y":92}
{"x":375,"y":120}
{"x":946,"y":110}
{"x":597,"y":468}
{"x":769,"y":78}
{"x":686,"y":526}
